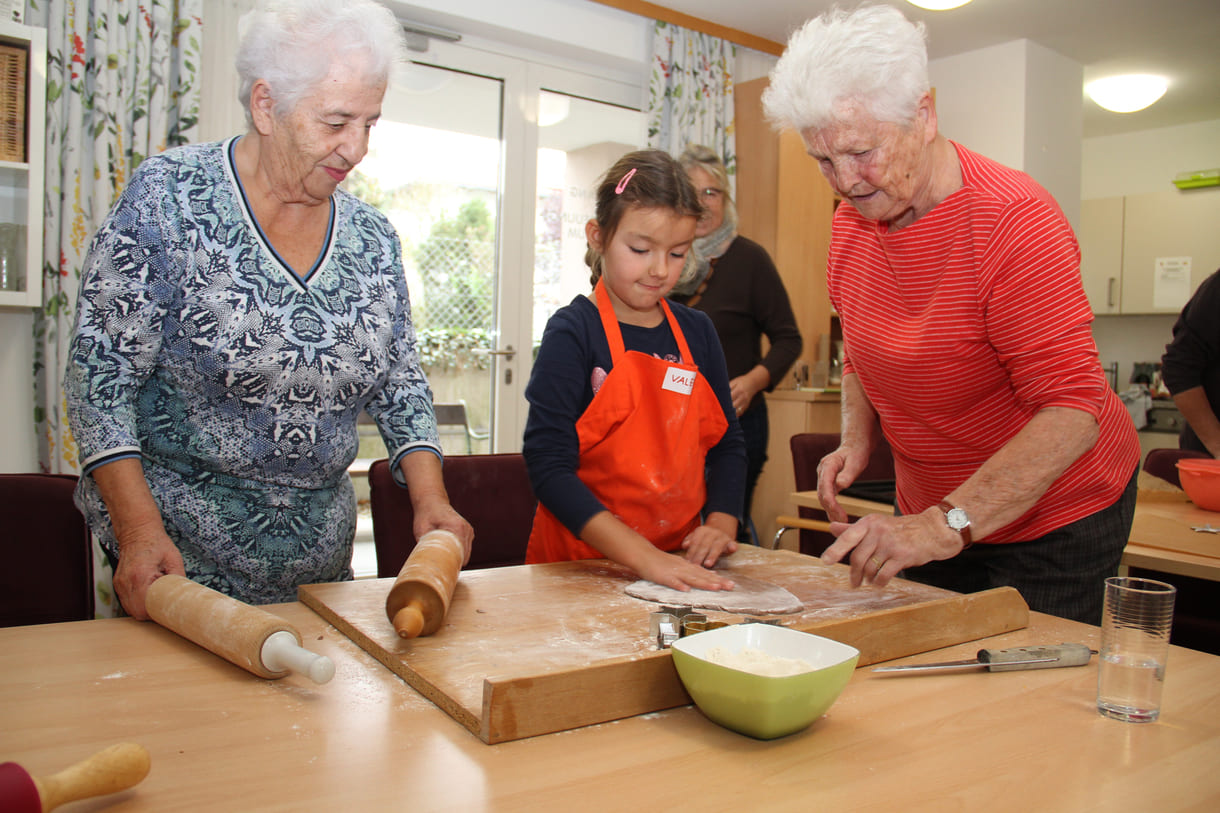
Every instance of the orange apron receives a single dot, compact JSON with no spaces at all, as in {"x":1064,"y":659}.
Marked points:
{"x":643,"y":443}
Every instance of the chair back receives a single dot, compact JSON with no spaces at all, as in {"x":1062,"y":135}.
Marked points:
{"x":1163,"y":463}
{"x":808,"y":449}
{"x":48,"y":560}
{"x":492,"y":491}
{"x":454,"y":415}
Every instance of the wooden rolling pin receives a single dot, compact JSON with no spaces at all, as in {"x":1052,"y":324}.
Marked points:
{"x":253,"y":639}
{"x":116,"y":768}
{"x":420,"y":597}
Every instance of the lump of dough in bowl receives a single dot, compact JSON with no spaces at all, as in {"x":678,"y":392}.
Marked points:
{"x":757,"y":662}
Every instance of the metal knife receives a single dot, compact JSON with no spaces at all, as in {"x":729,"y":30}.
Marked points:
{"x":1008,"y":660}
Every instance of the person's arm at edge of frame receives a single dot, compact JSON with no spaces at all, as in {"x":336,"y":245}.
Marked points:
{"x":145,"y":550}
{"x":1197,"y":411}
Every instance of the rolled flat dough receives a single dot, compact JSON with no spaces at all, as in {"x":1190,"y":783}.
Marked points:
{"x":750,"y":596}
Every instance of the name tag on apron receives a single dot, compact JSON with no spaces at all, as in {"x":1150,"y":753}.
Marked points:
{"x":679,"y":380}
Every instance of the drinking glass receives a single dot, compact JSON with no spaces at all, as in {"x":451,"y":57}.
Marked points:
{"x":1135,"y":627}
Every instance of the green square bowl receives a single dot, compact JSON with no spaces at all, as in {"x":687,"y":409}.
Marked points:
{"x":757,"y":705}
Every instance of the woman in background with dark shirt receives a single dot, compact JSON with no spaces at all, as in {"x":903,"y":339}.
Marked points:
{"x":1191,"y":368}
{"x":733,"y":280}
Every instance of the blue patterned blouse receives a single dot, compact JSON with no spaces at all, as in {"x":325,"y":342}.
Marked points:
{"x":236,"y":380}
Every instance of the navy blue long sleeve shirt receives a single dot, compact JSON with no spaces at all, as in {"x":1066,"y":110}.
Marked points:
{"x":560,"y":389}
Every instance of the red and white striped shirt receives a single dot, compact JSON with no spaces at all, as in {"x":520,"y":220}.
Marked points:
{"x":965,"y":324}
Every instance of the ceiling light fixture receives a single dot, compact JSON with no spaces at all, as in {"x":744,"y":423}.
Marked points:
{"x":1127,"y":93}
{"x":938,"y":5}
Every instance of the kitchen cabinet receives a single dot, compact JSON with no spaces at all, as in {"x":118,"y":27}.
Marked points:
{"x":1121,"y":239}
{"x":786,"y":206}
{"x":1101,"y":253}
{"x":21,"y":181}
{"x":790,"y":412}
{"x":1171,"y":223}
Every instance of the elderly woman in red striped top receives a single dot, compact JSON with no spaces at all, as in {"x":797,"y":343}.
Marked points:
{"x":967,"y":338}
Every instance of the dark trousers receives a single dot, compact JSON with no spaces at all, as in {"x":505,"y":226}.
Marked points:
{"x":1062,"y":573}
{"x":756,"y":428}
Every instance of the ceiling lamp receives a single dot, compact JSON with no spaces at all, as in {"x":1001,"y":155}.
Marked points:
{"x":1127,"y":93}
{"x":938,"y":5}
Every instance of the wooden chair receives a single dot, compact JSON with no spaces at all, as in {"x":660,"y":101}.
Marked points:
{"x":1163,"y":463}
{"x":808,"y":449}
{"x":492,"y":491}
{"x":48,"y":562}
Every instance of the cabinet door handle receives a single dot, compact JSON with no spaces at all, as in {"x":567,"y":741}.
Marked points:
{"x":1110,"y":292}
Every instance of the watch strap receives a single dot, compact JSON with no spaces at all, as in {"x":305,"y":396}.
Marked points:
{"x":967,"y":539}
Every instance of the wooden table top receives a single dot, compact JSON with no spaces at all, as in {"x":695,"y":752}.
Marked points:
{"x":1162,"y":536}
{"x":223,"y":739}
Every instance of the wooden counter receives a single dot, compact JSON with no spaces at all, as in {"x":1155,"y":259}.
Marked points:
{"x":222,"y":739}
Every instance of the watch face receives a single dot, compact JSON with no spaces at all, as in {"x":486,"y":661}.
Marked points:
{"x":957,"y":519}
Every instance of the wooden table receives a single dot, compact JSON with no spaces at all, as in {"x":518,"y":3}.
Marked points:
{"x":1161,"y":537}
{"x":222,"y":739}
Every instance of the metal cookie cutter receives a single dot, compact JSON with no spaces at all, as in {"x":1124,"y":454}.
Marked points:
{"x":1206,"y":528}
{"x":671,"y":623}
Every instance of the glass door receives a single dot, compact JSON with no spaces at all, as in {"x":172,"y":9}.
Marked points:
{"x":434,"y":168}
{"x":488,"y":178}
{"x":578,"y":140}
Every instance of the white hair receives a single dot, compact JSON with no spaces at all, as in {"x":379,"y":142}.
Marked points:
{"x":872,"y":57}
{"x":292,"y":45}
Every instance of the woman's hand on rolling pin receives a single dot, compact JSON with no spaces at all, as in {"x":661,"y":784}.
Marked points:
{"x":439,"y":515}
{"x":881,"y":546}
{"x":144,"y":556}
{"x":711,"y":540}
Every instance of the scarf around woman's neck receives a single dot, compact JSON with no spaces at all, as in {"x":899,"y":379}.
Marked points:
{"x":703,"y":251}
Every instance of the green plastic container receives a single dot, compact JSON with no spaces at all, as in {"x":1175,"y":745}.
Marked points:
{"x":756,"y":705}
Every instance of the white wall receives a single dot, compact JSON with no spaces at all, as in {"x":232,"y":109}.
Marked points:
{"x":1017,"y":103}
{"x":1147,"y":161}
{"x":980,"y":101}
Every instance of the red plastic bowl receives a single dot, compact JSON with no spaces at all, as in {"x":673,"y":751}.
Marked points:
{"x":1201,"y":481}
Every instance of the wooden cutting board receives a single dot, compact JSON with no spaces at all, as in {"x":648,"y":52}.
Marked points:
{"x":540,"y":648}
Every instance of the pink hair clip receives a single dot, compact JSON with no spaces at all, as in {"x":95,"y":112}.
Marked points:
{"x":618,"y":190}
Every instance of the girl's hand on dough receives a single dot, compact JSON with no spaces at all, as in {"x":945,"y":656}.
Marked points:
{"x":706,"y":544}
{"x":673,"y":571}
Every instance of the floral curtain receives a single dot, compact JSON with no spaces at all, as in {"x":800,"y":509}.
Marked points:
{"x":121,"y":84}
{"x":690,"y":92}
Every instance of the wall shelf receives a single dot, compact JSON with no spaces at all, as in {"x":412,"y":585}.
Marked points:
{"x":21,"y":182}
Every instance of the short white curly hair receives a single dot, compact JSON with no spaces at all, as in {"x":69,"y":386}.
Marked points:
{"x":292,"y":44}
{"x":873,"y":57}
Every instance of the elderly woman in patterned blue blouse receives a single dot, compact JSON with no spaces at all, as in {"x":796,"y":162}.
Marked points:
{"x":237,"y":312}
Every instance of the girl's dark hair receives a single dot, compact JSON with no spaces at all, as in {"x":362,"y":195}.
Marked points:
{"x":650,"y":179}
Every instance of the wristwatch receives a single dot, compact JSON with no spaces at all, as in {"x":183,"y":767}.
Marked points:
{"x":958,"y":521}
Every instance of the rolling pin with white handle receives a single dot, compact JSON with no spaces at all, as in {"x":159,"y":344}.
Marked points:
{"x":116,"y":768}
{"x":253,"y":639}
{"x":420,"y":597}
